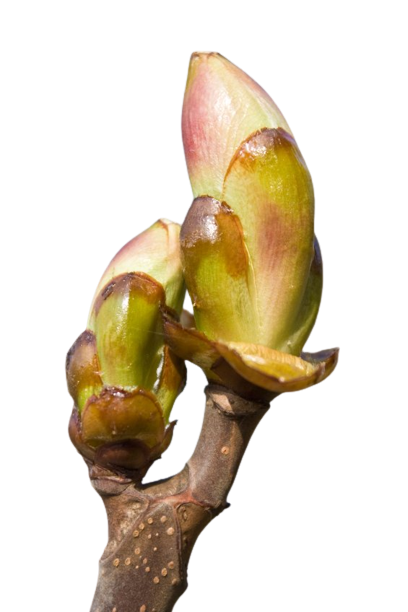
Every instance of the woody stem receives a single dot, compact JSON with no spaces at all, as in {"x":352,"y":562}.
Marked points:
{"x":153,"y":528}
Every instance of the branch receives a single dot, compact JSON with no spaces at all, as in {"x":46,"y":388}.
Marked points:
{"x":153,"y":528}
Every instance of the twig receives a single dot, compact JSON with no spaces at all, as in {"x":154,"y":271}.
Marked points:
{"x":153,"y":528}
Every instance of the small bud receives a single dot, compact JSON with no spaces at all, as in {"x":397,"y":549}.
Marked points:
{"x":123,"y":378}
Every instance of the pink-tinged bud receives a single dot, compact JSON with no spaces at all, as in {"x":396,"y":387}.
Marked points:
{"x":222,"y":107}
{"x":251,"y":262}
{"x":247,"y":241}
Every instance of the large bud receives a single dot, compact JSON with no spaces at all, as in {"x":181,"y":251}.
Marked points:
{"x":251,"y":262}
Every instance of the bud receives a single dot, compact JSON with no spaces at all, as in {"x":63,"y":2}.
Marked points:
{"x":251,"y":263}
{"x":122,"y":377}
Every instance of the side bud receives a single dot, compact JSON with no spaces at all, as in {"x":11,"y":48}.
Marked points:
{"x":122,"y":377}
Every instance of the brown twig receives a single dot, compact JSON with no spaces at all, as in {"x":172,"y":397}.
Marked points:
{"x":153,"y":528}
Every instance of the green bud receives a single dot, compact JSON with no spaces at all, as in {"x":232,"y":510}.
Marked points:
{"x":122,"y":377}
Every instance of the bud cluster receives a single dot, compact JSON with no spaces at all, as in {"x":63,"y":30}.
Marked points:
{"x":249,"y":258}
